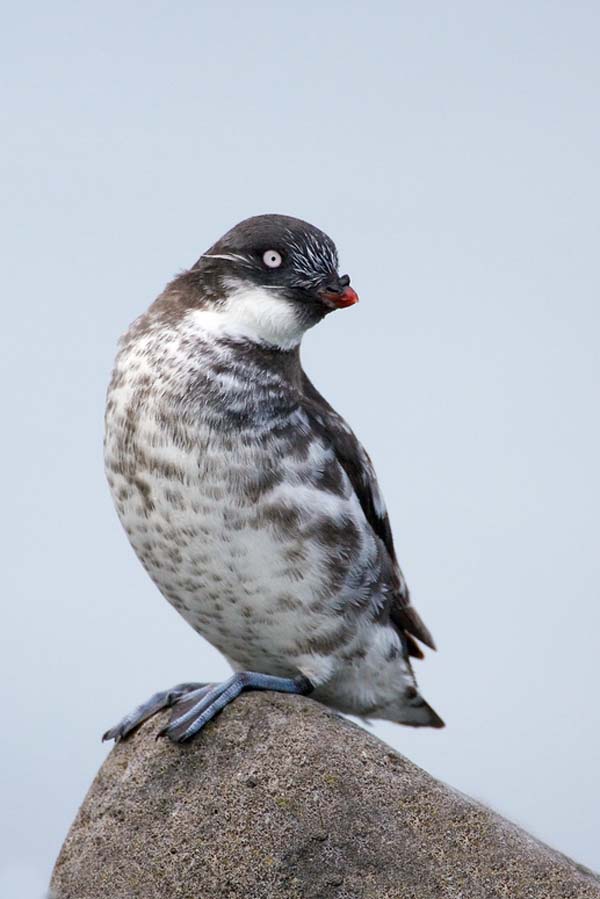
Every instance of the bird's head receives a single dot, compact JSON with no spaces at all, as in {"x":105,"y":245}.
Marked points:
{"x":271,"y":278}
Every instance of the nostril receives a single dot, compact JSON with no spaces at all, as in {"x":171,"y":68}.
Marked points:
{"x":338,"y":284}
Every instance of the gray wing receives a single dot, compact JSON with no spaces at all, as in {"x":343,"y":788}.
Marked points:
{"x":355,"y":461}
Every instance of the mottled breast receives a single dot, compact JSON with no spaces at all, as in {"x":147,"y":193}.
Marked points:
{"x":238,"y":511}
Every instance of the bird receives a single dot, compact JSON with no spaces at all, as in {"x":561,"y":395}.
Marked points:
{"x":248,"y":499}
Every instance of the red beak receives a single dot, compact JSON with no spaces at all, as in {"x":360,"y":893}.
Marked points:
{"x":339,"y":300}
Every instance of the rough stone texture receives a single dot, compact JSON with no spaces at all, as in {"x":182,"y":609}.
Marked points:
{"x":279,"y":797}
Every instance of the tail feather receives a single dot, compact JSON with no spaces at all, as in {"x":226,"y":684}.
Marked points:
{"x":407,"y":618}
{"x":427,"y":717}
{"x":414,"y":713}
{"x":412,"y":647}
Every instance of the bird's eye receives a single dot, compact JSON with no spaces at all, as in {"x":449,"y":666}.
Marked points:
{"x":272,"y":259}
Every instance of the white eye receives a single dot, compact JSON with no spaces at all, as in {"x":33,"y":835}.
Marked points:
{"x":272,"y":259}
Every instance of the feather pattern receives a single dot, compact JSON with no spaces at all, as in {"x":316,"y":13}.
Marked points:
{"x":249,"y":500}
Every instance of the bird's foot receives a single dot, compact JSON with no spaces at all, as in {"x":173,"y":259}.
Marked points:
{"x":195,"y":704}
{"x":162,"y":700}
{"x":195,"y":709}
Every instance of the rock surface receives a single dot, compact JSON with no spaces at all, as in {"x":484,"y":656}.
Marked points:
{"x":279,"y":797}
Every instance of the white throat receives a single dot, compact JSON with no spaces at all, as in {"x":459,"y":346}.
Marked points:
{"x":255,"y":314}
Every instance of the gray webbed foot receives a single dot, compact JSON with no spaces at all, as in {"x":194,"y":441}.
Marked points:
{"x":196,"y":708}
{"x":162,"y":700}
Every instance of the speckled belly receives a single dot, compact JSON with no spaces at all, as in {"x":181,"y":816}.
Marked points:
{"x":231,"y":540}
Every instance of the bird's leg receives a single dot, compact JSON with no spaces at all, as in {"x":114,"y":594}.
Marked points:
{"x":193,"y":710}
{"x":162,"y":700}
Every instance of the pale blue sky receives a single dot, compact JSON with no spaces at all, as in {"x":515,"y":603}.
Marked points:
{"x":452,"y":153}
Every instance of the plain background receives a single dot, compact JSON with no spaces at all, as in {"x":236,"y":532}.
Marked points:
{"x":451,"y":150}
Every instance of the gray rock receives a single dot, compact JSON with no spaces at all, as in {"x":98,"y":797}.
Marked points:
{"x":279,"y":797}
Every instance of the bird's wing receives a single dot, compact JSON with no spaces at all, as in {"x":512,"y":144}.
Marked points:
{"x":355,"y":461}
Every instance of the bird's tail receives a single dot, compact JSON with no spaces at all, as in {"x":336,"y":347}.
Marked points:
{"x":415,"y":713}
